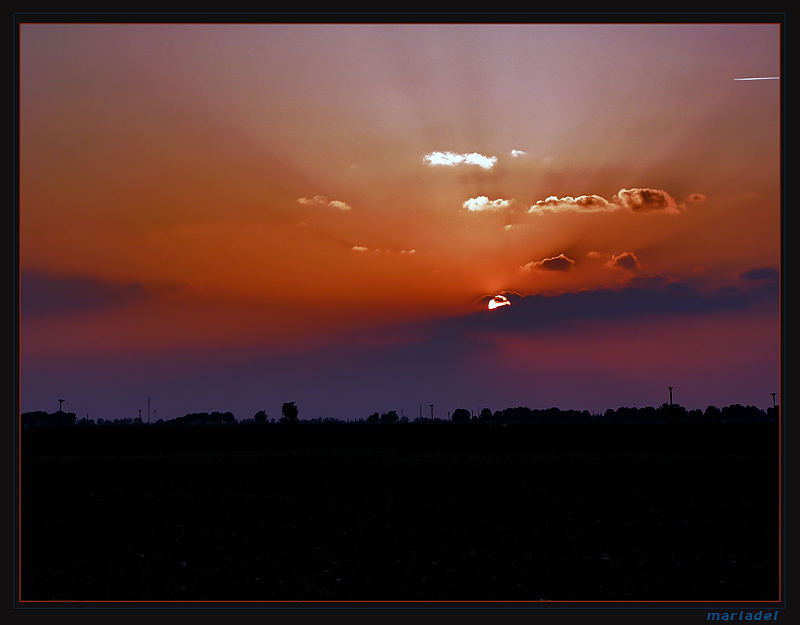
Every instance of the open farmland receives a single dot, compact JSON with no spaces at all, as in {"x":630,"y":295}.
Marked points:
{"x":400,"y":513}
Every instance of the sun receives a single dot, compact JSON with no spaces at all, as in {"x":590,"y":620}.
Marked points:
{"x":497,"y":301}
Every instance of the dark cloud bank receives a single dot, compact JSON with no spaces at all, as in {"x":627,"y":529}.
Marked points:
{"x":46,"y":294}
{"x":453,"y":362}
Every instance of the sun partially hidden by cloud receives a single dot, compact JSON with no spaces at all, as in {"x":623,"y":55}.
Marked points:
{"x":483,"y":203}
{"x":696,"y":197}
{"x":451,"y":159}
{"x":497,"y":301}
{"x":626,"y":260}
{"x":555,"y":263}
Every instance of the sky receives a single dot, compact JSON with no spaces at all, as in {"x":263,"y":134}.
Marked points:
{"x":233,"y":216}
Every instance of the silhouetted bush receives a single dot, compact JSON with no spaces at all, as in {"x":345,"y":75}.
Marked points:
{"x":204,"y":418}
{"x":461,"y":415}
{"x":390,"y":417}
{"x":40,"y":418}
{"x":289,"y":411}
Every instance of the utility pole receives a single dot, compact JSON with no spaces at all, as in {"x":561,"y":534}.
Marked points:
{"x":140,"y":414}
{"x":670,"y":394}
{"x":431,"y":412}
{"x":60,"y":401}
{"x":148,"y":408}
{"x":773,"y":399}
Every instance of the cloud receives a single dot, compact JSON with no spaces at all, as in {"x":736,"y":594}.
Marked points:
{"x":555,"y":263}
{"x":626,"y":260}
{"x":321,"y":200}
{"x":656,"y":296}
{"x":317,"y":199}
{"x":362,"y":248}
{"x":482,"y":203}
{"x":343,"y":206}
{"x":46,"y":294}
{"x":593,"y":254}
{"x":518,"y":153}
{"x":638,"y":200}
{"x":696,"y":197}
{"x":451,"y":159}
{"x":761,"y":274}
{"x":647,"y":200}
{"x":660,"y":282}
{"x":580,"y":204}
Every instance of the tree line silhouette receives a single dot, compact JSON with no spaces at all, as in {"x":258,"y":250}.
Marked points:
{"x":666,"y":413}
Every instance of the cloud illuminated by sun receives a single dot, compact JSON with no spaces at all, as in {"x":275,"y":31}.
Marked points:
{"x":451,"y":159}
{"x":497,"y":301}
{"x":483,"y":203}
{"x":322,"y":200}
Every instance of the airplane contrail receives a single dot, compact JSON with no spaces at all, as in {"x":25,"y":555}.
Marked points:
{"x":761,"y":78}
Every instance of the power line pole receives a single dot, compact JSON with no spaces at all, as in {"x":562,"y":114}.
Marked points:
{"x":60,"y":401}
{"x":670,"y":394}
{"x":773,"y":399}
{"x":148,"y":408}
{"x":431,"y":412}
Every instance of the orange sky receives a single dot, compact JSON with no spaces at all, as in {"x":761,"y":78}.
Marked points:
{"x":267,"y":184}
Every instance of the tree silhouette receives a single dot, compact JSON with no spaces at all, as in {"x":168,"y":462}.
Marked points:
{"x":486,"y":415}
{"x":389,"y":417}
{"x":289,"y":412}
{"x":260,"y":417}
{"x":461,"y":415}
{"x":374,"y":418}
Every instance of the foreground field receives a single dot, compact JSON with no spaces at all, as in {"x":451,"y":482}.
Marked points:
{"x":525,"y":513}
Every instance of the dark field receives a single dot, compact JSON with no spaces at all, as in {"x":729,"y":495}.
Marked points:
{"x":404,"y":512}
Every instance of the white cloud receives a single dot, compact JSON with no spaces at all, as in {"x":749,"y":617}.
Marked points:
{"x":517,"y":153}
{"x":637,"y":200}
{"x":317,"y":199}
{"x":321,"y":200}
{"x":342,"y":206}
{"x":483,"y":203}
{"x":580,"y":204}
{"x":359,"y":248}
{"x":451,"y":159}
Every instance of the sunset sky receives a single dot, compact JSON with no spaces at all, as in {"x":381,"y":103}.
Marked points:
{"x":229,"y":217}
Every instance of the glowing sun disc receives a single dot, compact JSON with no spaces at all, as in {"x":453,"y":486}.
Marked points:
{"x":497,"y":301}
